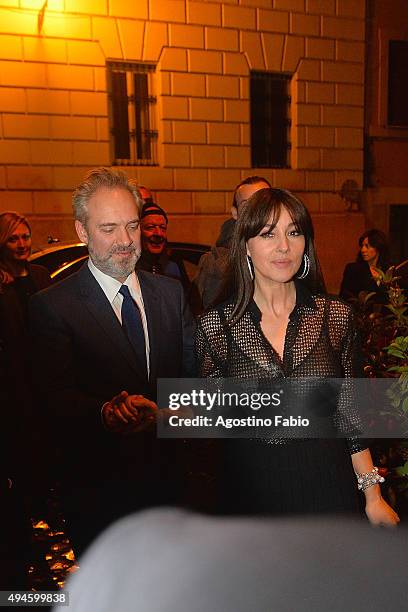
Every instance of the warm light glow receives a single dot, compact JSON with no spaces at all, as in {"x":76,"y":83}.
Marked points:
{"x":53,"y":5}
{"x":58,"y":565}
{"x":41,"y":525}
{"x":70,"y":555}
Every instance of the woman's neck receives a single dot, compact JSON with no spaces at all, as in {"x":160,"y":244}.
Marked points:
{"x":275,"y":298}
{"x":18,"y":269}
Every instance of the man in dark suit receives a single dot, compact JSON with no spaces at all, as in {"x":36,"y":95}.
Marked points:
{"x":101,"y":339}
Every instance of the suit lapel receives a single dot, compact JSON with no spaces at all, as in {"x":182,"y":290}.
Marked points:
{"x":98,"y":305}
{"x":152,"y":305}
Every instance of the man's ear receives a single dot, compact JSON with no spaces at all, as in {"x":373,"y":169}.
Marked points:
{"x":234,"y":212}
{"x":81,"y":231}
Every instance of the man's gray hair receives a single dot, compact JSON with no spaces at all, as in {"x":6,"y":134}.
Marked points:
{"x":101,"y":178}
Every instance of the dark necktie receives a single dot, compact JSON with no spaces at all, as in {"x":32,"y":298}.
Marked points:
{"x":132,"y":326}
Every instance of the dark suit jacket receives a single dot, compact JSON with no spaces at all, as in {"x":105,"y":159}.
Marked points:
{"x":83,"y":359}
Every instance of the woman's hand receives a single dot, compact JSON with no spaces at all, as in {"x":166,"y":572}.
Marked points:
{"x":377,"y":510}
{"x":380,"y":513}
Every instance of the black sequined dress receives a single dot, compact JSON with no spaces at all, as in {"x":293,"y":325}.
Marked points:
{"x":283,"y":476}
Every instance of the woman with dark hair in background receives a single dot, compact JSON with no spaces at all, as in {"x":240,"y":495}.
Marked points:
{"x":18,"y":280}
{"x":362,"y":275}
{"x":279,"y":325}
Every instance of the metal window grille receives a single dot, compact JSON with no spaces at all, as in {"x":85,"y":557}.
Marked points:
{"x":270,"y":120}
{"x":398,"y":83}
{"x":132,"y":113}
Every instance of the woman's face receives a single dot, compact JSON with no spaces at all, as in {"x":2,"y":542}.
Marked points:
{"x":277,"y":253}
{"x":18,"y":246}
{"x":369,"y":253}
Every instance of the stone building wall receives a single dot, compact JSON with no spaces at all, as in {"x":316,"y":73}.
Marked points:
{"x":54,"y":106}
{"x":387,"y":146}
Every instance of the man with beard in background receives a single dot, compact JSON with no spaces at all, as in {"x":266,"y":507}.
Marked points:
{"x":98,"y":351}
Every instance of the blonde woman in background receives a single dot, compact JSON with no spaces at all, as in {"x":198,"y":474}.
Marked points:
{"x":18,"y":281}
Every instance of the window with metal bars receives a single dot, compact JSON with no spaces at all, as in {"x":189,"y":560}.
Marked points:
{"x":131,"y":113}
{"x":270,"y":120}
{"x":398,"y":83}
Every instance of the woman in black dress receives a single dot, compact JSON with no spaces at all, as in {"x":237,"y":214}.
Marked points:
{"x":18,"y":280}
{"x":280,"y":324}
{"x":362,"y":275}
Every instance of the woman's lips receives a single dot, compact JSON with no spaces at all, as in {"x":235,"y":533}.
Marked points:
{"x":282,"y":263}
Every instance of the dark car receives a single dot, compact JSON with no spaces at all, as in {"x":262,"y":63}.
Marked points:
{"x":62,"y":259}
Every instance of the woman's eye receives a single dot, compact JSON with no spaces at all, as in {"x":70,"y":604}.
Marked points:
{"x":268,"y":234}
{"x":295,"y":233}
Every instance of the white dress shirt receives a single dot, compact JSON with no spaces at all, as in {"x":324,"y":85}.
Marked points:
{"x":110,"y":286}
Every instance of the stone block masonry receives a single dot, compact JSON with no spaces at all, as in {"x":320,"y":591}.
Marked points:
{"x":54,"y":104}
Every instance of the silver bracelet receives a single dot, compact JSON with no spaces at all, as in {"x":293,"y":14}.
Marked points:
{"x":369,"y":479}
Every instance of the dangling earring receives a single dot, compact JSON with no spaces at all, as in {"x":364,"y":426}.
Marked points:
{"x":306,"y":266}
{"x":250,"y":267}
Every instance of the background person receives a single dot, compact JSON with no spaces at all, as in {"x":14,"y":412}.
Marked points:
{"x":155,"y":256}
{"x":280,"y":324}
{"x":212,"y":267}
{"x":18,"y":280}
{"x":362,"y":275}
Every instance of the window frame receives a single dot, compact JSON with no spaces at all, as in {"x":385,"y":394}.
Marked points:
{"x":132,"y":108}
{"x":390,"y":122}
{"x":279,"y":158}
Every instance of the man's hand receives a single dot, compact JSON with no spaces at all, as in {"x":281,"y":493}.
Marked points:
{"x":129,"y":414}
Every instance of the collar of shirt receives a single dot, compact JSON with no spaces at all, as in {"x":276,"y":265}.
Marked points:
{"x":304,"y":299}
{"x":110,"y":286}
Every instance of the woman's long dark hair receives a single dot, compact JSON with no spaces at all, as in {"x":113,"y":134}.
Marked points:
{"x":260,"y":208}
{"x":378,"y":240}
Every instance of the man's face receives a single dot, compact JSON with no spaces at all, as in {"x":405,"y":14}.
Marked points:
{"x":154,"y":234}
{"x":243,"y":194}
{"x":112,"y":232}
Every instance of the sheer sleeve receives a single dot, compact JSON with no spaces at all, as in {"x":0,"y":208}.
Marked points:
{"x":351,"y":352}
{"x":210,"y":344}
{"x":348,"y":414}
